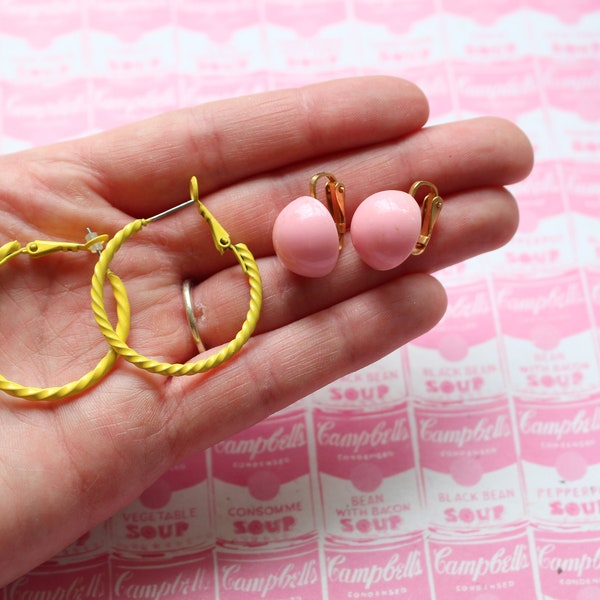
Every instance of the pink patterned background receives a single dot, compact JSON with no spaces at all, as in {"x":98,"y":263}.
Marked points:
{"x":465,"y":465}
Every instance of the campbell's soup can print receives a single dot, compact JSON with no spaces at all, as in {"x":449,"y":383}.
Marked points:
{"x":305,"y":19}
{"x":171,"y":517}
{"x":262,"y":484}
{"x":568,"y":563}
{"x":284,"y":574}
{"x":504,"y":88}
{"x":593,"y":283}
{"x":571,"y":88}
{"x":543,"y":241}
{"x":568,"y":13}
{"x":124,"y":19}
{"x":177,"y":578}
{"x":494,"y":566}
{"x":482,"y":14}
{"x":93,"y":543}
{"x":367,"y":473}
{"x":120,"y":100}
{"x":219,"y":20}
{"x":459,"y":359}
{"x":582,"y":188}
{"x":40,"y":112}
{"x":397,"y":17}
{"x":469,"y":465}
{"x":560,"y":458}
{"x":85,"y":580}
{"x":378,"y":385}
{"x":396,"y":569}
{"x":547,"y":335}
{"x":23,"y":20}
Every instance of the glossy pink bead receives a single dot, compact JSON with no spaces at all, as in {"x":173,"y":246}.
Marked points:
{"x":385,"y":229}
{"x":305,"y":238}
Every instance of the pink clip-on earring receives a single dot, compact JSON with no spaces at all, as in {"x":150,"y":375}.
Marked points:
{"x":307,"y":236}
{"x":387,"y":228}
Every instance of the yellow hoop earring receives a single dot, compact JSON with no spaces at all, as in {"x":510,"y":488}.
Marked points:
{"x":222,"y":243}
{"x":39,"y":248}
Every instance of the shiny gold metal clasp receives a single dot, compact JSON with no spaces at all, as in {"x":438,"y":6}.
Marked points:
{"x":335,"y":194}
{"x":430,"y":211}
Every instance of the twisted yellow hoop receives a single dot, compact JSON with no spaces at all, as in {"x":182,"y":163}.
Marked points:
{"x":41,"y":248}
{"x":222,"y":243}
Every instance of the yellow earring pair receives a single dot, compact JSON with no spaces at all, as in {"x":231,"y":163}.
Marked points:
{"x":116,"y":336}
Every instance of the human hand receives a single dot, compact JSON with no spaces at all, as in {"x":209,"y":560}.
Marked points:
{"x":67,"y":466}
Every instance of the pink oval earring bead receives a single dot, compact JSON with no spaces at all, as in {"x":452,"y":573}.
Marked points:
{"x":305,"y":238}
{"x":385,"y":229}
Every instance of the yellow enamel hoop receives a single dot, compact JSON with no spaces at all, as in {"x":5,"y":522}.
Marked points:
{"x":222,"y":243}
{"x":41,"y":248}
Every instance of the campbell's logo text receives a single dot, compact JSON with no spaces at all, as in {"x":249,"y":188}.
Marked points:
{"x":502,"y":562}
{"x":469,"y":306}
{"x":485,"y":430}
{"x":289,"y":577}
{"x":382,"y":434}
{"x":511,"y":88}
{"x":129,"y":584}
{"x":556,"y":298}
{"x":276,"y":442}
{"x":581,"y":423}
{"x":396,"y":569}
{"x":577,"y":566}
{"x":81,"y":587}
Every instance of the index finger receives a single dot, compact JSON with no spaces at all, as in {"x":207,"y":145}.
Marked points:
{"x":145,"y":167}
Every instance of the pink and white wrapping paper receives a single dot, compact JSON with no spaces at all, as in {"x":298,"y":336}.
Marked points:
{"x":465,"y":465}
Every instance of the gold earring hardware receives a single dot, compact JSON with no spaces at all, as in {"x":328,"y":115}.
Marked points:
{"x":335,"y":194}
{"x":430,"y":211}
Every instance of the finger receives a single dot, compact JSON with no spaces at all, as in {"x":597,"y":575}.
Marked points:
{"x":150,"y":163}
{"x":475,"y":222}
{"x":471,"y":223}
{"x":284,"y":365}
{"x":456,"y":157}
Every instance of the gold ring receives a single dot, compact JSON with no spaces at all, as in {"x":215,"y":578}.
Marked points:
{"x":189,"y":313}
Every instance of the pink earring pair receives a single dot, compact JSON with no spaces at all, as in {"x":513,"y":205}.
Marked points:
{"x":387,"y":227}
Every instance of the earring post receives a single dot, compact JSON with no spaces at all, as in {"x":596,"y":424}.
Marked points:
{"x":170,"y":211}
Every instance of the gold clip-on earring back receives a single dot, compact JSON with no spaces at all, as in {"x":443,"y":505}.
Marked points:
{"x":222,"y":243}
{"x":40,"y":248}
{"x":430,"y":211}
{"x":335,"y":196}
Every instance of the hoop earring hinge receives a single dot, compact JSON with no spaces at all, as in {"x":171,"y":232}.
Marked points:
{"x":39,"y":248}
{"x":220,"y":235}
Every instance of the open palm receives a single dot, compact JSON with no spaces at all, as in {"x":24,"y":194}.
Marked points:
{"x":66,"y":466}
